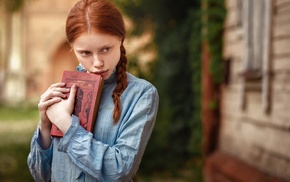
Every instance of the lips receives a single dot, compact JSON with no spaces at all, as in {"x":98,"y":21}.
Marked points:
{"x":100,"y":72}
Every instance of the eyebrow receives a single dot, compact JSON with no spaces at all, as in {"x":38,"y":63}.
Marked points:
{"x":107,"y":45}
{"x":82,"y":50}
{"x":102,"y":47}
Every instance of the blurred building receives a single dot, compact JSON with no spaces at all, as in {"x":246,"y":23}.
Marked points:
{"x":253,"y":134}
{"x":33,"y":49}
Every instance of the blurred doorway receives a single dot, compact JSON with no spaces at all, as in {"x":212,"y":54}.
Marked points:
{"x":63,"y":59}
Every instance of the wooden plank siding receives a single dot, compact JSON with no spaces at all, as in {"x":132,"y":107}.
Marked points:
{"x":258,"y":138}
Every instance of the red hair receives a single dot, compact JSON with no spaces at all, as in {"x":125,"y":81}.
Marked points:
{"x":102,"y":16}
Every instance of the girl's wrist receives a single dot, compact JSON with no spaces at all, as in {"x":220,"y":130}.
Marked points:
{"x":64,"y":123}
{"x":45,"y":125}
{"x":45,"y":139}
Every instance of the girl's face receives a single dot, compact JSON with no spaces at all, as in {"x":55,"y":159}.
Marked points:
{"x":98,"y":53}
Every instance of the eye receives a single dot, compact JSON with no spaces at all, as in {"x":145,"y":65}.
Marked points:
{"x":85,"y":53}
{"x":105,"y":50}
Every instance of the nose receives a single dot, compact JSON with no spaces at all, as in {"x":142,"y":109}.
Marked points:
{"x":98,"y":62}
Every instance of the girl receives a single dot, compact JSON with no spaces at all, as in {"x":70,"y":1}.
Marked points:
{"x":127,"y":111}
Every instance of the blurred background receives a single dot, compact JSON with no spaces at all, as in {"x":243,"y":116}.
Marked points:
{"x":222,"y":69}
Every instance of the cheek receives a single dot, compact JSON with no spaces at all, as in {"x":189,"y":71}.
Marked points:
{"x":78,"y":58}
{"x":85,"y":63}
{"x":115,"y":59}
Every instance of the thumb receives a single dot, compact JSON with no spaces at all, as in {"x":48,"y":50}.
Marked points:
{"x":72,"y":94}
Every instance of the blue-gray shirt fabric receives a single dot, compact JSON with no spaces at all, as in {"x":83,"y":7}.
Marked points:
{"x":111,"y":152}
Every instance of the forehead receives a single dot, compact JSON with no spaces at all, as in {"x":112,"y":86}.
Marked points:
{"x":95,"y":39}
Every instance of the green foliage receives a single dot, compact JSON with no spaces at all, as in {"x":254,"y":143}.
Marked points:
{"x":195,"y":142}
{"x":215,"y":14}
{"x":13,"y":5}
{"x":13,"y":165}
{"x":177,"y":135}
{"x":18,"y":113}
{"x":14,"y":145}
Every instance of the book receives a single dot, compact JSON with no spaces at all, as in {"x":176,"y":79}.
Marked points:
{"x":89,"y":90}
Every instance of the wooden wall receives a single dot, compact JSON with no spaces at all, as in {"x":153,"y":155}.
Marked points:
{"x":260,"y":139}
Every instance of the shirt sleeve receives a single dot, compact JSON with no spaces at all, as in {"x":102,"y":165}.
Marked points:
{"x":120,"y":161}
{"x":39,"y":160}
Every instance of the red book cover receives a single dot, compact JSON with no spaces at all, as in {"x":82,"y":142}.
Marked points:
{"x":87,"y":99}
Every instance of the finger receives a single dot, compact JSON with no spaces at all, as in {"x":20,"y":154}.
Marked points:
{"x":60,"y":84}
{"x":52,"y":94}
{"x":72,"y":93}
{"x":59,"y":89}
{"x":55,"y":92}
{"x":62,"y":89}
{"x":46,"y":104}
{"x":55,"y":87}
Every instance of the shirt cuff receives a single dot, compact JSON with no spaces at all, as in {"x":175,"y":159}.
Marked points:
{"x":65,"y":141}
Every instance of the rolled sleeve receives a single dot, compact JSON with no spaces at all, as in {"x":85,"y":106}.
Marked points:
{"x":74,"y":130}
{"x":39,"y":160}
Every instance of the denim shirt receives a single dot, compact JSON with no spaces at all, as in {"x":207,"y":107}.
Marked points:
{"x":111,"y":152}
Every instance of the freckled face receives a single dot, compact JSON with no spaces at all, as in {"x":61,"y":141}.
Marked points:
{"x":98,"y":53}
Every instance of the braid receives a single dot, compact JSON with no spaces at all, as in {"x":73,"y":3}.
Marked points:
{"x":102,"y":16}
{"x":121,"y":84}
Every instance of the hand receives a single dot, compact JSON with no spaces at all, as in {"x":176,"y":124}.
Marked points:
{"x":54,"y":94}
{"x":60,"y":113}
